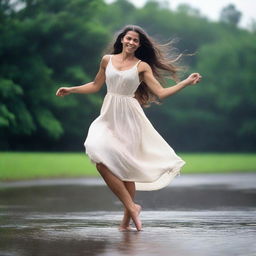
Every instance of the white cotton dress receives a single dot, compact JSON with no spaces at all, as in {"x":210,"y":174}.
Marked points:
{"x":124,"y":140}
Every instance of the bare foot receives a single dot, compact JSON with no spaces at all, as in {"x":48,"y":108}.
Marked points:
{"x":135,"y":216}
{"x":125,"y":224}
{"x":124,"y":228}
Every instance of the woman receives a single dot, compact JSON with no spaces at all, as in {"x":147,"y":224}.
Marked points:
{"x":128,"y":152}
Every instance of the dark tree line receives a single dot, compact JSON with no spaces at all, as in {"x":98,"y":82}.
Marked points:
{"x":48,"y":44}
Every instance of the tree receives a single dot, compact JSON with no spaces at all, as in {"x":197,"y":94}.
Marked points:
{"x":188,"y":10}
{"x":48,"y":44}
{"x":230,"y":82}
{"x":230,"y":15}
{"x":45,"y":45}
{"x":252,"y":26}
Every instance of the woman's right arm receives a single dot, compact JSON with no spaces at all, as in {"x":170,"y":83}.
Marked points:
{"x":163,"y":92}
{"x":91,"y":87}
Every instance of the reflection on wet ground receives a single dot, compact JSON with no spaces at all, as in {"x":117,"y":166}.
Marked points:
{"x":76,"y":218}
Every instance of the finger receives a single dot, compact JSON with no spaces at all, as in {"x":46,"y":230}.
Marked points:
{"x":197,"y":80}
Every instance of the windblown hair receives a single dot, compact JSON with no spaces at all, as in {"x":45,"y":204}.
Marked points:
{"x":156,"y":55}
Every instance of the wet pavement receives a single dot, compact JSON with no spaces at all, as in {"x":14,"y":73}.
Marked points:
{"x":197,"y":215}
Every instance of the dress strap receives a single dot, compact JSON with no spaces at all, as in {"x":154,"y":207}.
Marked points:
{"x":138,"y":63}
{"x":110,"y":59}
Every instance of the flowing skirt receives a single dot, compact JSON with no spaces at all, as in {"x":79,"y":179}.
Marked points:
{"x":123,"y":139}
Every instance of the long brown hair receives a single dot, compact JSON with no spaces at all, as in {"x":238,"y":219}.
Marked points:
{"x":156,"y":55}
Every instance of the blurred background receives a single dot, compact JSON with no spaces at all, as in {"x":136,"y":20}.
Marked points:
{"x":48,"y":44}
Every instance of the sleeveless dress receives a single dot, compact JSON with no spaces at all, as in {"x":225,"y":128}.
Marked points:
{"x":124,"y":140}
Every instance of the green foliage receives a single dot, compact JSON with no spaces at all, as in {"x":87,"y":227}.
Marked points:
{"x":231,"y":86}
{"x":230,"y":15}
{"x":48,"y":44}
{"x":43,"y":46}
{"x":8,"y":91}
{"x":117,"y":15}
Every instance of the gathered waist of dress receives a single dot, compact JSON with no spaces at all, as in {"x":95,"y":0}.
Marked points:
{"x":121,"y":95}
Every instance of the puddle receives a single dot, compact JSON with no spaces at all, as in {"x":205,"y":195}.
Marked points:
{"x":71,"y":218}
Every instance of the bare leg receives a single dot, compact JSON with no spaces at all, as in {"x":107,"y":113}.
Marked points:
{"x":119,"y":189}
{"x":130,"y":186}
{"x":125,"y":224}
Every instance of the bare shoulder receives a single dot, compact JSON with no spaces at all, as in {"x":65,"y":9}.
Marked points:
{"x":144,"y":67}
{"x":104,"y":61}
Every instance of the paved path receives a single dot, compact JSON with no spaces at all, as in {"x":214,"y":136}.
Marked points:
{"x":197,"y":215}
{"x":232,"y":180}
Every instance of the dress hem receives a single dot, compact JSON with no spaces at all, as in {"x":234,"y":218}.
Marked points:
{"x":172,"y":173}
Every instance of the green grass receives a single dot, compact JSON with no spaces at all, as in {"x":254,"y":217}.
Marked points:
{"x":20,"y":166}
{"x":219,"y":162}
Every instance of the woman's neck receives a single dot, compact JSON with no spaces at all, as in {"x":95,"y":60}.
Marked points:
{"x":126,"y":56}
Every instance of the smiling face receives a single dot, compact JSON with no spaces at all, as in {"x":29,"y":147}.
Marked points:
{"x":130,"y":42}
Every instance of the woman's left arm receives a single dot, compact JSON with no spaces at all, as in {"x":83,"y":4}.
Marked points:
{"x":158,"y":89}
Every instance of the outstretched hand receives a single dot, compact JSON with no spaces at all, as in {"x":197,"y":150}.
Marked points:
{"x":193,"y":79}
{"x":63,"y":91}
